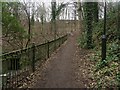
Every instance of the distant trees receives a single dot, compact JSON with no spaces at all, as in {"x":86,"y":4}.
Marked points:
{"x":80,"y":14}
{"x":55,"y":12}
{"x":15,"y":17}
{"x":41,"y":12}
{"x":19,"y":18}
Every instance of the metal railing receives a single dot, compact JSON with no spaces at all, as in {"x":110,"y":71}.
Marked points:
{"x":17,"y":65}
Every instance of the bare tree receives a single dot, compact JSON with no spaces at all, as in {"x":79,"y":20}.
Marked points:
{"x":29,"y":8}
{"x":26,"y":8}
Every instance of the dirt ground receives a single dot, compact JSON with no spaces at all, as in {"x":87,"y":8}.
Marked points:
{"x":68,"y":67}
{"x":60,"y":72}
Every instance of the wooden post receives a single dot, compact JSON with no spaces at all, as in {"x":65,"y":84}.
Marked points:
{"x":33,"y":58}
{"x":48,"y":49}
{"x":59,"y":42}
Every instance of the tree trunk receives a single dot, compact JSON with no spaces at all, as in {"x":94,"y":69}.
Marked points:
{"x":29,"y":30}
{"x":80,"y":15}
{"x":89,"y":24}
{"x":95,"y":12}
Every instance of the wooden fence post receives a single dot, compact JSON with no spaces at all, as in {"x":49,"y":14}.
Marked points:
{"x":62,"y":39}
{"x":48,"y":49}
{"x":59,"y":42}
{"x":33,"y":58}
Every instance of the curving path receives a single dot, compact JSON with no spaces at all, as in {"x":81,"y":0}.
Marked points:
{"x":60,"y":71}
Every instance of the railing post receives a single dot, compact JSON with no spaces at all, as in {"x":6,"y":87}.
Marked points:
{"x":54,"y":44}
{"x":48,"y":49}
{"x":65,"y":37}
{"x":59,"y":42}
{"x":33,"y":58}
{"x":62,"y":39}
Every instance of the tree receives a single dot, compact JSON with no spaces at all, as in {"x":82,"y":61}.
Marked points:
{"x":33,"y":14}
{"x":80,"y":14}
{"x":118,"y":20}
{"x":74,"y":14}
{"x":88,"y":17}
{"x":95,"y":12}
{"x":55,"y":13}
{"x":30,"y":16}
{"x":13,"y":32}
{"x":118,"y":35}
{"x":41,"y":11}
{"x":53,"y":19}
{"x":26,"y":8}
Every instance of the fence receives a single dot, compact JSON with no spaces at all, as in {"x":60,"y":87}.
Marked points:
{"x":17,"y":65}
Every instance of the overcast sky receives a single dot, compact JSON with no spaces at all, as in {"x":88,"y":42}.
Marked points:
{"x":63,"y":0}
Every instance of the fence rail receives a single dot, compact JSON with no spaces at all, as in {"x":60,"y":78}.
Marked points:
{"x":17,"y":65}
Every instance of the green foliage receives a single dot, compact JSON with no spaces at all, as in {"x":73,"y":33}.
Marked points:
{"x":12,"y":29}
{"x":106,"y":72}
{"x":10,"y":24}
{"x":89,"y":19}
{"x":82,"y":40}
{"x":95,"y":12}
{"x":118,"y":78}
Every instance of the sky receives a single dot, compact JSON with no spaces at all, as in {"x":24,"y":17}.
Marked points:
{"x":63,"y":0}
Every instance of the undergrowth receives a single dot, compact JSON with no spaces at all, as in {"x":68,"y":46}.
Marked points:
{"x":106,"y":73}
